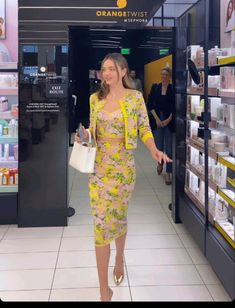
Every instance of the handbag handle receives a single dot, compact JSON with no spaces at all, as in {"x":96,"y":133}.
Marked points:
{"x":89,"y":134}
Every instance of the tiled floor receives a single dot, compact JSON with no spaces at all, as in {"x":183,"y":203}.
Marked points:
{"x":162,"y":262}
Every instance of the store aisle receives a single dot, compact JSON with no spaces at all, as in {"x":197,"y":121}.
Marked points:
{"x":162,"y":262}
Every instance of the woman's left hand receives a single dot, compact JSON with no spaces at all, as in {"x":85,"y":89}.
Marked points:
{"x":161,"y":157}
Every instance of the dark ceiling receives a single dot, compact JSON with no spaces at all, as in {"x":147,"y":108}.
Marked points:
{"x":47,"y":21}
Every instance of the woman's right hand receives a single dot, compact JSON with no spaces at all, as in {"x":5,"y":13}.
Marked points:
{"x":84,"y":135}
{"x":159,"y":123}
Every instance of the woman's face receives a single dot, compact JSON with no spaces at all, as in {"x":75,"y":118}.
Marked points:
{"x":165,"y":76}
{"x":230,"y":8}
{"x":110,"y":74}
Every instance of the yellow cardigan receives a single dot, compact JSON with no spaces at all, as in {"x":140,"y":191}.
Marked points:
{"x":135,"y":117}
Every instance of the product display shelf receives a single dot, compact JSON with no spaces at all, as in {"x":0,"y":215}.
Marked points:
{"x":198,"y":203}
{"x":197,"y":143}
{"x":8,"y":189}
{"x":229,"y":237}
{"x":201,"y":176}
{"x":8,"y":91}
{"x":6,"y":139}
{"x":200,"y":91}
{"x":7,"y":115}
{"x":8,"y":143}
{"x":227,"y":161}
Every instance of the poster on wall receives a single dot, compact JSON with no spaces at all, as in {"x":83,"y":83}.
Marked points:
{"x":230,"y":16}
{"x":2,"y":20}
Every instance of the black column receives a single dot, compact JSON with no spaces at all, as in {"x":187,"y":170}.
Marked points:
{"x":43,"y":135}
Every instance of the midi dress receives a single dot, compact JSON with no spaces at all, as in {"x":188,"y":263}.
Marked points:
{"x":113,"y":180}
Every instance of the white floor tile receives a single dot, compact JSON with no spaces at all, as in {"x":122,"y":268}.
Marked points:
{"x":170,"y":293}
{"x":150,"y":229}
{"x":80,"y":219}
{"x":75,"y":295}
{"x":147,"y":209}
{"x":188,"y":241}
{"x":77,"y":243}
{"x":153,"y":241}
{"x":144,"y":200}
{"x":156,"y":257}
{"x":3,"y":231}
{"x":25,"y":296}
{"x":163,"y":275}
{"x":72,"y":259}
{"x":197,"y":256}
{"x":29,"y":245}
{"x":80,"y":278}
{"x":75,"y":231}
{"x":21,"y":261}
{"x":180,"y":228}
{"x":218,"y":293}
{"x":46,"y":232}
{"x":207,"y":274}
{"x":88,"y":294}
{"x":147,"y":218}
{"x":26,"y":280}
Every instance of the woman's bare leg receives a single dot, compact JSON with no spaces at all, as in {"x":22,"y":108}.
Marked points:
{"x":120,"y":246}
{"x":102,"y":261}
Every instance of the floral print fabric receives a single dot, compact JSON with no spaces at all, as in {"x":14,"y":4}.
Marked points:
{"x":113,"y":181}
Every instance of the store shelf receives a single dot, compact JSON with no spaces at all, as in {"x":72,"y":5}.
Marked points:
{"x":200,"y":147}
{"x":227,"y":93}
{"x":228,"y":238}
{"x":223,"y":194}
{"x":226,"y":60}
{"x":10,"y":91}
{"x":227,"y":161}
{"x":8,"y":189}
{"x":7,"y":115}
{"x":231,"y":181}
{"x":198,"y":204}
{"x":10,"y":163}
{"x":9,"y":140}
{"x":200,"y":91}
{"x":8,"y":66}
{"x":201,"y":176}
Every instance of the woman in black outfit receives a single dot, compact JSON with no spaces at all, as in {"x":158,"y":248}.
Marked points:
{"x":161,"y":105}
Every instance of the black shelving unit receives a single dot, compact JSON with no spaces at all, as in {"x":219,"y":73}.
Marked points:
{"x":194,"y":209}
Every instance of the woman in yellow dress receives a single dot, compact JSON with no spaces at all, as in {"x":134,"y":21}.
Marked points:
{"x":117,"y":116}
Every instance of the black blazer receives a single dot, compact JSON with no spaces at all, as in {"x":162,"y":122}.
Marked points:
{"x":162,"y":103}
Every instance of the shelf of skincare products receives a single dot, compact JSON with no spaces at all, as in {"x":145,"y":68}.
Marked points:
{"x":216,"y":56}
{"x":8,"y":179}
{"x":199,"y":204}
{"x":227,"y":161}
{"x":196,"y":90}
{"x":8,"y":131}
{"x":227,"y":230}
{"x":228,"y":196}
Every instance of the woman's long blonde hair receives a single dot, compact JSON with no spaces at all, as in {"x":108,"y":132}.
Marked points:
{"x":120,"y":61}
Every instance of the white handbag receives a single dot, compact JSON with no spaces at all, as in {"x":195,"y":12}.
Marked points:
{"x":83,"y":156}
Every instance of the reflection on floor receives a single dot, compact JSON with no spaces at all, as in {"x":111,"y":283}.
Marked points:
{"x":162,"y":262}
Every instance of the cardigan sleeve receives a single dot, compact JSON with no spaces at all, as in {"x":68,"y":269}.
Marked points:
{"x":144,"y":129}
{"x":92,"y":104}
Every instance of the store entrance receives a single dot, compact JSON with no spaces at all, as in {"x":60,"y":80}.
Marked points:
{"x":147,"y":51}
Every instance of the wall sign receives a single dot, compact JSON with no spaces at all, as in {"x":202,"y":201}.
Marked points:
{"x":56,"y":90}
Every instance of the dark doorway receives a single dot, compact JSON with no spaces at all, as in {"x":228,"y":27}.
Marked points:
{"x":89,"y":45}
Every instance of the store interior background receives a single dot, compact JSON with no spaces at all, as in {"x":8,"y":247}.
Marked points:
{"x":61,"y":46}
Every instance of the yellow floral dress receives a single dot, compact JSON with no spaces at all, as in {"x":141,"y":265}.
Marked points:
{"x":113,"y":181}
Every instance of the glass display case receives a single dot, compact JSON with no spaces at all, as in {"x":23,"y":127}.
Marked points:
{"x":221,"y":150}
{"x":8,"y":132}
{"x":9,"y":123}
{"x":205,"y":137}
